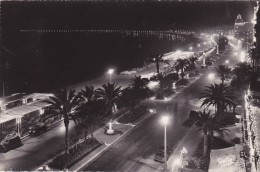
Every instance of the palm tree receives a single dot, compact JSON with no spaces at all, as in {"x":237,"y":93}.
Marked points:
{"x":87,"y":94}
{"x":139,"y":87}
{"x":223,"y":72}
{"x":242,"y":71}
{"x":63,"y":104}
{"x":90,"y":114}
{"x":128,"y":98}
{"x":218,"y":95}
{"x":182,"y":64}
{"x":252,"y":57}
{"x":110,"y":94}
{"x":192,"y":61}
{"x":208,"y":125}
{"x":157,"y":59}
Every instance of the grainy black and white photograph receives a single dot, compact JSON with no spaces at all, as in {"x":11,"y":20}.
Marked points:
{"x":130,"y":85}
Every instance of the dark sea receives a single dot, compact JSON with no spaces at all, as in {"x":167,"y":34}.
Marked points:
{"x":48,"y":61}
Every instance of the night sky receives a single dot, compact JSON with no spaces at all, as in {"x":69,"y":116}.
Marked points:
{"x":78,"y":15}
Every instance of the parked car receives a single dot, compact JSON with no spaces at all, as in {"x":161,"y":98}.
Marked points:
{"x":37,"y":129}
{"x":159,"y":156}
{"x":203,"y":66}
{"x":209,"y":63}
{"x":10,"y":142}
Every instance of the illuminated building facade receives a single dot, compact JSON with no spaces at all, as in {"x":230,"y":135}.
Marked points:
{"x":243,"y":30}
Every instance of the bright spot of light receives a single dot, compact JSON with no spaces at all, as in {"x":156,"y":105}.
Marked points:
{"x":165,"y":98}
{"x":235,"y":53}
{"x":62,"y":129}
{"x":211,"y":76}
{"x":178,"y":51}
{"x":152,"y":98}
{"x":198,"y":45}
{"x":177,"y":161}
{"x":227,"y":61}
{"x":110,"y":71}
{"x":242,"y":56}
{"x":153,"y":84}
{"x":152,"y":111}
{"x":165,"y":120}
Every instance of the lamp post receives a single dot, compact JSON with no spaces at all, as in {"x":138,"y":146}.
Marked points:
{"x":165,"y":120}
{"x":217,"y":49}
{"x":110,"y":72}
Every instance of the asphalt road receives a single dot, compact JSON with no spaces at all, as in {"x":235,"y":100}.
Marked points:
{"x":136,"y":151}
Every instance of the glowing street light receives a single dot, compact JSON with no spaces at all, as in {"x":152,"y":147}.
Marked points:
{"x":227,"y":61}
{"x":165,"y":121}
{"x":110,"y":72}
{"x":198,"y":45}
{"x":190,"y":48}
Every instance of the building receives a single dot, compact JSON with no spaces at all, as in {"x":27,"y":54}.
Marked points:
{"x":243,"y":30}
{"x":20,"y":111}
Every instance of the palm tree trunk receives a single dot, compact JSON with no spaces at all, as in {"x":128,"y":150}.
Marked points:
{"x":91,"y":132}
{"x":67,"y":140}
{"x":205,"y":143}
{"x":157,"y":66}
{"x":66,"y":122}
{"x":182,"y":73}
{"x":86,"y":134}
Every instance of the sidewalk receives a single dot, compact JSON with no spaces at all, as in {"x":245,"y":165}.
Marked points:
{"x":190,"y":141}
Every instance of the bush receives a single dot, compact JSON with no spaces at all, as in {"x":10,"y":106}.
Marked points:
{"x":75,"y":153}
{"x":164,"y":93}
{"x":182,"y":82}
{"x":173,"y":76}
{"x":226,"y":118}
{"x":236,"y":140}
{"x":194,"y":73}
{"x":154,"y":78}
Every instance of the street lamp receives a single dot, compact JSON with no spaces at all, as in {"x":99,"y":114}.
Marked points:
{"x":190,"y":48}
{"x":227,"y":61}
{"x":198,"y":45}
{"x":165,"y":121}
{"x":110,"y":72}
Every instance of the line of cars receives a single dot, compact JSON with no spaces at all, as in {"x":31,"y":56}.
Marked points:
{"x":13,"y":140}
{"x":209,"y":61}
